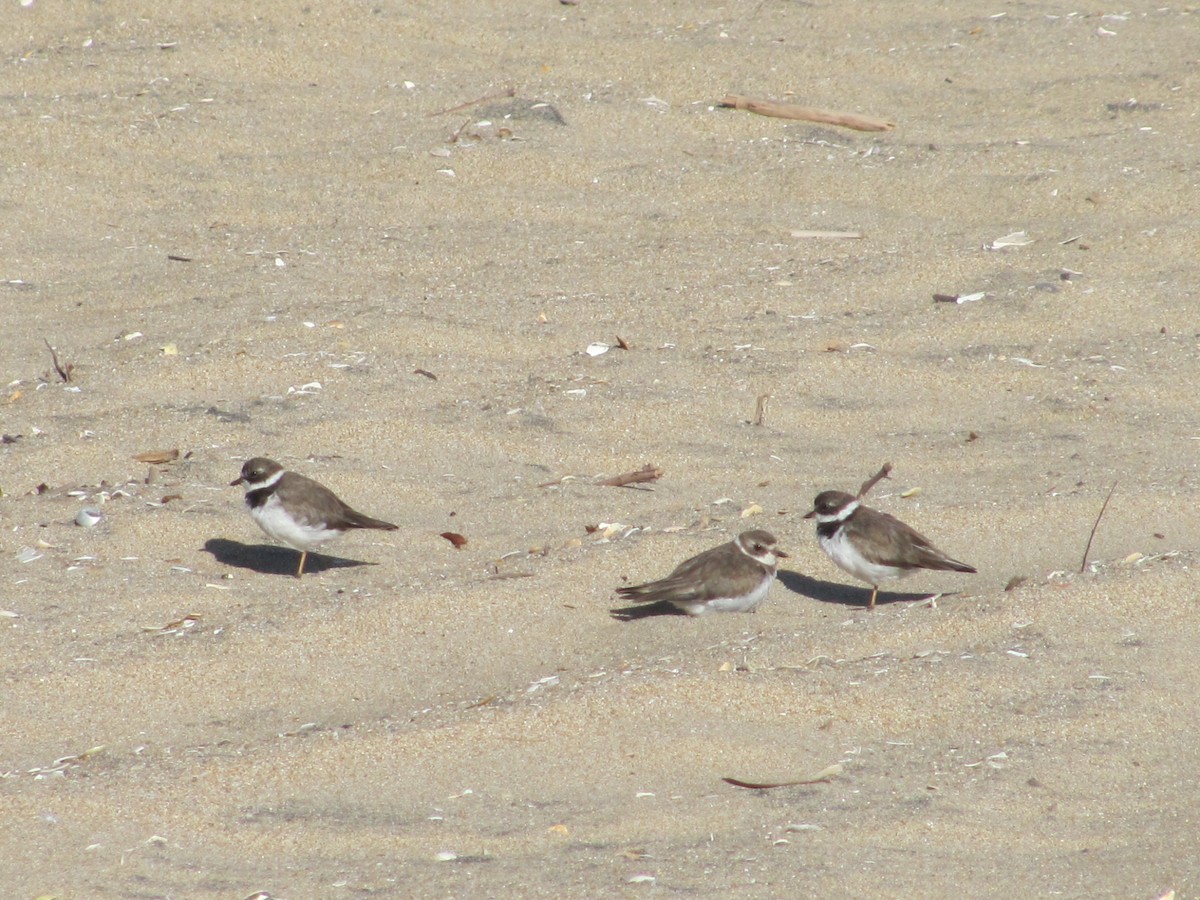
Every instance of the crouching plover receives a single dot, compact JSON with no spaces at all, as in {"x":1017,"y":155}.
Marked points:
{"x":733,"y":577}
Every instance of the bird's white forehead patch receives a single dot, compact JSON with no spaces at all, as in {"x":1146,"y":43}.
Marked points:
{"x":842,"y":514}
{"x":271,"y":480}
{"x":767,"y":556}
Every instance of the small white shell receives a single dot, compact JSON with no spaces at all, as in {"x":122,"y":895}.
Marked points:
{"x":87,"y":517}
{"x":597,"y":349}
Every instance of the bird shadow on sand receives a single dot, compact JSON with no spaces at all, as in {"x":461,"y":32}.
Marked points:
{"x":841,"y":594}
{"x":270,"y":559}
{"x":645,"y":611}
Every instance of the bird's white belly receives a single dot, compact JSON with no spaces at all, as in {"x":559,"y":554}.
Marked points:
{"x":272,"y":519}
{"x":745,"y":603}
{"x":842,"y":552}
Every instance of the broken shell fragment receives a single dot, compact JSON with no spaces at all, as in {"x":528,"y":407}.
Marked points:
{"x":87,"y":517}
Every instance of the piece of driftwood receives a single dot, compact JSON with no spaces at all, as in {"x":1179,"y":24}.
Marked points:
{"x":646,"y":473}
{"x":806,"y":113}
{"x":874,"y":480}
{"x":158,"y":457}
{"x":760,"y":409}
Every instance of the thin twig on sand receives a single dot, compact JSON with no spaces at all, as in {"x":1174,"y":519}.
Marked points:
{"x":632,"y":479}
{"x":63,"y":373}
{"x":1095,"y":525}
{"x":826,"y":774}
{"x":507,"y":92}
{"x":806,"y":113}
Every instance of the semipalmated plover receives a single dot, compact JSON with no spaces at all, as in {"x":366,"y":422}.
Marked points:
{"x":733,"y":577}
{"x":872,"y":545}
{"x":296,"y":510}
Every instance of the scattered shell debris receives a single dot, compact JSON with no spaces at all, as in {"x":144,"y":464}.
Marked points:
{"x":995,"y":761}
{"x":1015,"y":239}
{"x":63,"y":763}
{"x":959,"y":298}
{"x":608,"y":531}
{"x":179,"y":626}
{"x":548,"y":681}
{"x":832,"y":235}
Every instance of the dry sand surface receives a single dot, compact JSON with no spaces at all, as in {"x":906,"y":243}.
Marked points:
{"x":245,"y":227}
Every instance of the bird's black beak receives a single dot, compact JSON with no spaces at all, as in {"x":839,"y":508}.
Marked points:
{"x":810,"y":514}
{"x":781,"y":554}
{"x":237,"y":481}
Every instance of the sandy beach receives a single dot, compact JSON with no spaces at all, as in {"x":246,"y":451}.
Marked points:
{"x":462,"y":263}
